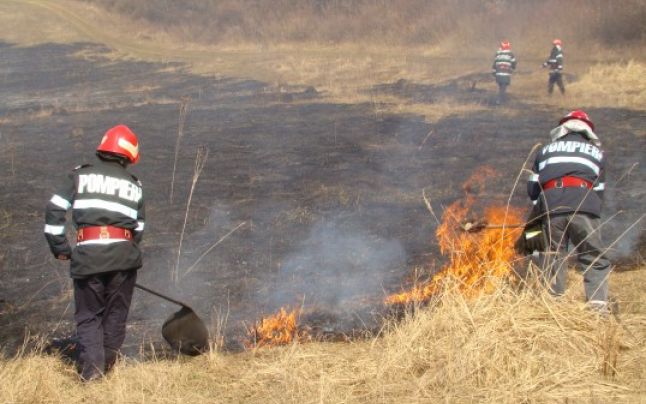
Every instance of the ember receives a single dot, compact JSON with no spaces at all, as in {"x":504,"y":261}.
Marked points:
{"x":478,"y":261}
{"x":279,"y":329}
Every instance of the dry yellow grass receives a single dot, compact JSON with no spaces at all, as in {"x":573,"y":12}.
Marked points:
{"x":611,"y":85}
{"x":507,"y":347}
{"x":617,"y":85}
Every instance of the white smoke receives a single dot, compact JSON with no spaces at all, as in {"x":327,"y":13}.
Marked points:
{"x":337,"y":264}
{"x":622,"y":232}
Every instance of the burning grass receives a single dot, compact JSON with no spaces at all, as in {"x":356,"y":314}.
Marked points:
{"x":479,"y":338}
{"x":479,"y":262}
{"x":275,"y":330}
{"x":503,"y":347}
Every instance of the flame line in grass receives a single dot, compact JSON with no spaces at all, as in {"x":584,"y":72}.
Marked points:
{"x":477,"y":261}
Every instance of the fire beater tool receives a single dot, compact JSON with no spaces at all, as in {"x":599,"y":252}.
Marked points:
{"x":474,"y":226}
{"x":183,"y":330}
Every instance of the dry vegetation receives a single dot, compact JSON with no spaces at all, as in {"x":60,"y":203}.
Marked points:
{"x":507,"y":347}
{"x":404,"y":22}
{"x":620,"y":85}
{"x":344,"y":48}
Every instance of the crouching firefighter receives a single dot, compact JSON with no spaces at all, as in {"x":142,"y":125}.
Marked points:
{"x":108,"y":213}
{"x":566,"y":188}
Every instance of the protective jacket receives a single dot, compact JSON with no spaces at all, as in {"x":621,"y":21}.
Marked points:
{"x":99,"y":194}
{"x":568,"y":158}
{"x":555,"y":61}
{"x":504,"y":65}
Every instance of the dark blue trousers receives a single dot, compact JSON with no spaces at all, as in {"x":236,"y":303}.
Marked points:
{"x":102,"y":303}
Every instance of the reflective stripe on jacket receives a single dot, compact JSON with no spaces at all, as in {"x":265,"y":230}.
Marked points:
{"x":572,"y":155}
{"x":100,"y":194}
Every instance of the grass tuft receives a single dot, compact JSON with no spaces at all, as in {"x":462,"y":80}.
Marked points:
{"x":507,"y":347}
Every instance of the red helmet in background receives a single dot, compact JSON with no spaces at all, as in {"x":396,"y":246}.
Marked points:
{"x":577,"y":114}
{"x":505,"y":45}
{"x":556,"y":42}
{"x":120,"y":140}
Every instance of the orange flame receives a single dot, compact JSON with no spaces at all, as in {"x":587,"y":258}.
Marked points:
{"x":478,"y":261}
{"x":279,"y":329}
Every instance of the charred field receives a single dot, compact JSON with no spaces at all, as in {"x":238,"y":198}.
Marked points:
{"x":327,"y":196}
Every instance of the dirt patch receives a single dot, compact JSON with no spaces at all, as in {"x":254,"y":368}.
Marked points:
{"x":331,"y":193}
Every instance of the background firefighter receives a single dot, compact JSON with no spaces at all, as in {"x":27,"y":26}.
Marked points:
{"x":567,"y":189}
{"x":108,"y":211}
{"x":555,"y":64}
{"x":502,"y":68}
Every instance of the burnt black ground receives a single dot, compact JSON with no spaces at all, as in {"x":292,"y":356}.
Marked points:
{"x":331,"y":193}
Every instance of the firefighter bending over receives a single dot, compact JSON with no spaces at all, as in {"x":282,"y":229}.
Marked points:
{"x":567,"y":190}
{"x":108,"y":212}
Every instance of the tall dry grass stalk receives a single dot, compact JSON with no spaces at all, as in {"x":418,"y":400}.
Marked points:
{"x":429,"y":207}
{"x":201,"y":156}
{"x":219,"y":324}
{"x":183,"y":111}
{"x":197,"y":261}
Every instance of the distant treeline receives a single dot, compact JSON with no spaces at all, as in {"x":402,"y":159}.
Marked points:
{"x":413,"y":22}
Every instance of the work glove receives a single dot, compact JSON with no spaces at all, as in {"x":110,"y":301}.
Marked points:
{"x":532,"y":238}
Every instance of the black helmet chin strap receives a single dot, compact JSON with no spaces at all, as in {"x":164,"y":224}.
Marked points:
{"x":107,"y":156}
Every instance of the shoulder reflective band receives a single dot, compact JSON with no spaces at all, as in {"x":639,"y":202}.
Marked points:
{"x":60,"y":202}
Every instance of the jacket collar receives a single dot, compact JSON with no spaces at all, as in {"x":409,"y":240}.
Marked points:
{"x":575,"y":125}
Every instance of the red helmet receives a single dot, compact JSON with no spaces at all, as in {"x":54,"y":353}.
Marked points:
{"x":505,"y":45}
{"x":577,"y":114}
{"x":122,"y":141}
{"x":556,"y":42}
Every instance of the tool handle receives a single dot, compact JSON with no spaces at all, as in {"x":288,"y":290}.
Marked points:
{"x":506,"y":226}
{"x":170,"y":299}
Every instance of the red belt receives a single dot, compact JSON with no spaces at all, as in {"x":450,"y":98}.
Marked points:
{"x":567,"y":182}
{"x":102,"y":232}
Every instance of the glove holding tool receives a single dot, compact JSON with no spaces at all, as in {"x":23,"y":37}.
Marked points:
{"x":531,"y":239}
{"x":533,"y":236}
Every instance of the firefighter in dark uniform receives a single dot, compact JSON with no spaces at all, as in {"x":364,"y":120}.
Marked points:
{"x":567,"y":187}
{"x":108,"y":213}
{"x":555,"y":64}
{"x":503,"y":66}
